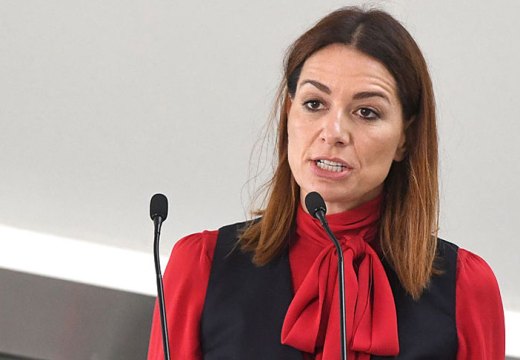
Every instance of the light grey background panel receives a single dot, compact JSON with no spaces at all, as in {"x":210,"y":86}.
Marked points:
{"x":104,"y":103}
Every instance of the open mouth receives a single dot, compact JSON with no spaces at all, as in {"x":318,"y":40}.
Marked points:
{"x":330,"y":165}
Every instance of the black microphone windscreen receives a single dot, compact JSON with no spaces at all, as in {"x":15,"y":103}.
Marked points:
{"x":314,"y":203}
{"x":159,"y":206}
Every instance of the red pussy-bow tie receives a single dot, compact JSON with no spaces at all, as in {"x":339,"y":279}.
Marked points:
{"x":312,"y":321}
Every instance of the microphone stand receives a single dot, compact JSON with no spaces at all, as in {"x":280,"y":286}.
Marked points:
{"x":157,"y":221}
{"x":341,"y":282}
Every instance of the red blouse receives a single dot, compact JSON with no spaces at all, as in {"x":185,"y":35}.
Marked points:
{"x":479,"y":311}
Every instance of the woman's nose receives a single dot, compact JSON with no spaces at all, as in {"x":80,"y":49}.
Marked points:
{"x":335,"y":130}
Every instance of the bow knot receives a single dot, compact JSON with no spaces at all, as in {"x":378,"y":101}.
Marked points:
{"x":356,"y":244}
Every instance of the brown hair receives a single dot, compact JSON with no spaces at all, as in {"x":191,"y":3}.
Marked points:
{"x":409,"y":218}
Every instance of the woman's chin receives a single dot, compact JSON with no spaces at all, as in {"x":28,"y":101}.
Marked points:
{"x":337,"y":202}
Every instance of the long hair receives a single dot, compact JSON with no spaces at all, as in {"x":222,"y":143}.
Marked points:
{"x":409,"y":220}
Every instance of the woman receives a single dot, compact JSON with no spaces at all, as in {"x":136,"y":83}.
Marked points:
{"x":356,"y":124}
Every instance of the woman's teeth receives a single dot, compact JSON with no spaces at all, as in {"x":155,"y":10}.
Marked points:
{"x":330,"y":165}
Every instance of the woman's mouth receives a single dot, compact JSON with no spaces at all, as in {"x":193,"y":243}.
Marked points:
{"x":330,"y":165}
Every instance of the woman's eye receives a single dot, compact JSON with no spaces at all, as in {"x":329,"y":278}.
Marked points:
{"x":313,"y":105}
{"x":368,"y":114}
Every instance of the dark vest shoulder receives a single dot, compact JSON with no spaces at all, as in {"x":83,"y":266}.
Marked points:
{"x":427,"y":327}
{"x":245,"y":307}
{"x":245,"y":304}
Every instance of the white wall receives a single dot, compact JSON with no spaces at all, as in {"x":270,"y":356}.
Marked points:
{"x":106,"y":102}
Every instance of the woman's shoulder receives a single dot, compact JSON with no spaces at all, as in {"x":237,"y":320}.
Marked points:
{"x":198,"y":246}
{"x":201,"y":246}
{"x":468,"y":272}
{"x":469,"y":266}
{"x":476,"y":273}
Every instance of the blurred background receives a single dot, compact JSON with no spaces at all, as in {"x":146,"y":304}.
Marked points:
{"x":104,"y":103}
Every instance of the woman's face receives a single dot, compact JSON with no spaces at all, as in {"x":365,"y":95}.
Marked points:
{"x":345,"y":127}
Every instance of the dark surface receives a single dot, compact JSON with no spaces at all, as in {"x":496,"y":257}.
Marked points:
{"x":46,"y":318}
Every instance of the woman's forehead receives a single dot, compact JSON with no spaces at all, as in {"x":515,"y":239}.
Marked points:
{"x":341,"y":66}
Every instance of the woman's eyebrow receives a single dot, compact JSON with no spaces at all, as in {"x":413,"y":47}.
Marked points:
{"x":368,"y":94}
{"x":318,"y":85}
{"x":358,"y":96}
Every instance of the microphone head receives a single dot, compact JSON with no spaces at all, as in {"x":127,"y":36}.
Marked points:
{"x":315,"y":204}
{"x":159,"y":206}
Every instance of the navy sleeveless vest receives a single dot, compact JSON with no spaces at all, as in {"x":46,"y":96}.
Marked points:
{"x":245,"y":307}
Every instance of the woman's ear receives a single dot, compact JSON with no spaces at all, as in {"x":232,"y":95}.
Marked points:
{"x":400,"y":152}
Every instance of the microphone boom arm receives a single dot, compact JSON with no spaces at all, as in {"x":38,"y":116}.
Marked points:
{"x":157,"y":221}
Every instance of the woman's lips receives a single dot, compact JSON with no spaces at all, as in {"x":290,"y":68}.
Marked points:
{"x":330,"y":165}
{"x":330,"y":168}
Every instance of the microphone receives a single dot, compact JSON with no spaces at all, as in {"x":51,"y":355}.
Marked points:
{"x":159,"y":213}
{"x":159,"y":207}
{"x":316,"y":207}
